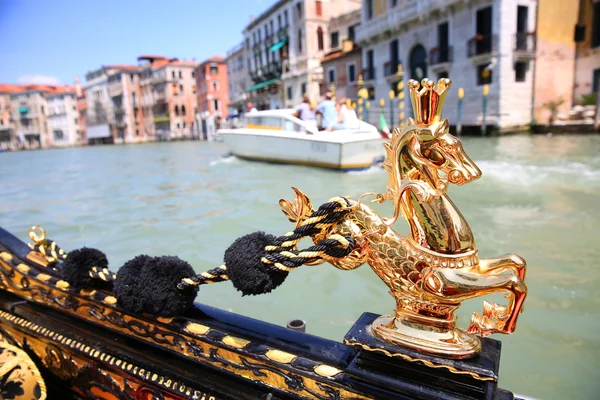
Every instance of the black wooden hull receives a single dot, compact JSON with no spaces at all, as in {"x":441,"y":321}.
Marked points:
{"x":86,"y":345}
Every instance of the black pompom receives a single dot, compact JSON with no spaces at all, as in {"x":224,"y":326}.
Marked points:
{"x":149,"y":284}
{"x":77,"y":265}
{"x":244,"y":268}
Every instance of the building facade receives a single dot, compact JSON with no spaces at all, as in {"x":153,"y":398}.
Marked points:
{"x":284,"y":47}
{"x":343,"y":62}
{"x":237,"y":79}
{"x":63,"y":117}
{"x":478,"y":43}
{"x":8,"y":138}
{"x":110,"y":93}
{"x":29,"y":116}
{"x":168,"y":97}
{"x":213,"y":88}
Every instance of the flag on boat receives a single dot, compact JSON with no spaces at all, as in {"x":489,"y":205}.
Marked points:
{"x":383,"y":126}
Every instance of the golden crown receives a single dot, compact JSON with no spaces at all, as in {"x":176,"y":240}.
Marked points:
{"x":427,"y":101}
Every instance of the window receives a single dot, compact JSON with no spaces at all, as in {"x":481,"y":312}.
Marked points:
{"x":393,"y":3}
{"x":59,"y":135}
{"x":279,"y":21}
{"x":193,"y":74}
{"x":300,"y":41}
{"x":173,"y":74}
{"x":303,"y":89}
{"x":174,"y":87}
{"x":194,"y":89}
{"x":177,"y":111}
{"x":182,"y":110}
{"x":216,"y":105}
{"x":181,"y":88}
{"x":178,"y":125}
{"x":596,"y":82}
{"x":331,"y":76}
{"x":180,"y":75}
{"x":369,"y":7}
{"x":183,"y":125}
{"x":285,"y":18}
{"x":289,"y":93}
{"x":254,"y":38}
{"x":271,"y":24}
{"x":352,"y":73}
{"x":352,"y":32}
{"x":266,"y":31}
{"x":214,"y":86}
{"x":596,"y":25}
{"x":299,"y":10}
{"x":247,"y":43}
{"x":520,"y":71}
{"x":214,"y":69}
{"x":42,"y":109}
{"x":137,"y":132}
{"x":484,"y":75}
{"x":335,"y":39}
{"x":320,"y":38}
{"x":319,"y":8}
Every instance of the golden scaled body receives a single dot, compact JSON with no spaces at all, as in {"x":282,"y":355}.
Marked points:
{"x":430,"y":272}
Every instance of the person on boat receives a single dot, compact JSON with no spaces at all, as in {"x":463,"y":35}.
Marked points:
{"x":328,"y":112}
{"x":347,"y":118}
{"x":306,"y":111}
{"x":250,"y":108}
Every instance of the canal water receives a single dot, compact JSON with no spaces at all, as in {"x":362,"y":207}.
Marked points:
{"x":538,"y":197}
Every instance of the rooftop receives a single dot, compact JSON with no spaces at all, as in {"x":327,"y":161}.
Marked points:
{"x":264,"y":15}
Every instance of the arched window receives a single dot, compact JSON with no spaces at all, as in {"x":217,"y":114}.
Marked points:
{"x":182,"y":110}
{"x":177,"y":110}
{"x":320,"y":38}
{"x":181,"y":88}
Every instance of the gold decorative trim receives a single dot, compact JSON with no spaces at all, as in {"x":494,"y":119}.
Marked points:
{"x":159,"y":380}
{"x":326,"y":370}
{"x":280,"y":356}
{"x":6,"y":256}
{"x":62,"y":284}
{"x":196,"y":329}
{"x":110,"y":300}
{"x":235,"y":342}
{"x":420,"y":360}
{"x":204,"y":348}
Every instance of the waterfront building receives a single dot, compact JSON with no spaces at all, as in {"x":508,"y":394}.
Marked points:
{"x":168,"y":97}
{"x":7,"y":124}
{"x":213,"y":88}
{"x":30,"y":108}
{"x":587,"y":72}
{"x":478,"y":43}
{"x":341,"y":65}
{"x":237,"y":79}
{"x":62,"y":117}
{"x":284,"y":47}
{"x":111,"y":95}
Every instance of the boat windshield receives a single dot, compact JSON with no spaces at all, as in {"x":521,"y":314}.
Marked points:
{"x":274,"y":123}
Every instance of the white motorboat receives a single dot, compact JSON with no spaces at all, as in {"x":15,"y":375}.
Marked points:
{"x":277,"y":136}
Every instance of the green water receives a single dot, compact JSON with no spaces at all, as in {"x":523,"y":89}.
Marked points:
{"x":538,"y":197}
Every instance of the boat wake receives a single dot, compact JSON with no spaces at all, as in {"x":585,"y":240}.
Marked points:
{"x":226,"y":159}
{"x":527,"y":173}
{"x":374,"y":169}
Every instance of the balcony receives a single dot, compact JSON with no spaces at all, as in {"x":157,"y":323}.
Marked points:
{"x":162,"y":118}
{"x":160,"y":97}
{"x":119,"y":111}
{"x":440,"y":58}
{"x":115,"y":89}
{"x":481,"y":48}
{"x":395,"y":19}
{"x":368,"y":74}
{"x":390,"y":68}
{"x":524,"y":48}
{"x":282,"y":33}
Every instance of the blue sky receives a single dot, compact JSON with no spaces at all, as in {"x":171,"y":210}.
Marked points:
{"x":52,"y":41}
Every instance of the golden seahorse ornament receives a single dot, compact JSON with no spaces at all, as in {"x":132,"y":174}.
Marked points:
{"x":433,"y":270}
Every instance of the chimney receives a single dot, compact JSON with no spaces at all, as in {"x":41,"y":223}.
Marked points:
{"x":77,"y":87}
